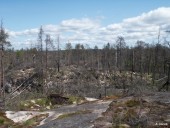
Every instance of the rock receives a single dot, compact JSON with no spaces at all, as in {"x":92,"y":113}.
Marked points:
{"x":26,"y":105}
{"x":33,"y":101}
{"x":48,"y":107}
{"x":36,"y":105}
{"x":103,"y":124}
{"x":124,"y":126}
{"x":167,"y":120}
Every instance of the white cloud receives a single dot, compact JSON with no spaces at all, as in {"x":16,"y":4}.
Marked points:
{"x":143,"y":27}
{"x":82,"y":24}
{"x":147,"y":24}
{"x":50,"y":29}
{"x":158,"y":17}
{"x":28,"y":32}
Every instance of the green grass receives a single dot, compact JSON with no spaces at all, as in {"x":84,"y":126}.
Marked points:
{"x":2,"y":120}
{"x":42,"y":101}
{"x":119,"y":126}
{"x":33,"y":121}
{"x":30,"y":122}
{"x":73,"y":99}
{"x":74,"y":113}
{"x":132,"y":103}
{"x":40,"y":104}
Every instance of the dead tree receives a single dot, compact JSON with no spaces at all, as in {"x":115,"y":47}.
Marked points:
{"x":69,"y":53}
{"x":48,"y":43}
{"x":58,"y":55}
{"x":166,"y":84}
{"x":3,"y":43}
{"x":156,"y":58}
{"x":120,"y":44}
{"x":39,"y":61}
{"x":132,"y":64}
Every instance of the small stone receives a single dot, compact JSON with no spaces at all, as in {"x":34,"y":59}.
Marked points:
{"x":124,"y":126}
{"x":48,"y":107}
{"x":26,"y":105}
{"x":36,"y":105}
{"x":167,"y":120}
{"x":33,"y":101}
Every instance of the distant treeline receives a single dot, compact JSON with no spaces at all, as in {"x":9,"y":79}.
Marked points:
{"x":142,"y":58}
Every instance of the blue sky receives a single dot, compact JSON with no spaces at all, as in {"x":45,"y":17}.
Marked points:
{"x":22,"y":18}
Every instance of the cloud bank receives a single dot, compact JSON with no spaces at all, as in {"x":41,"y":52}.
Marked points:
{"x":90,"y":31}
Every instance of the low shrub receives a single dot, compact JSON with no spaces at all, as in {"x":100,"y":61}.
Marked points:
{"x":132,"y":103}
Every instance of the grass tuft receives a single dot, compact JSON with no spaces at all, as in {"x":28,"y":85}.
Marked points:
{"x":74,"y":113}
{"x":132,"y":103}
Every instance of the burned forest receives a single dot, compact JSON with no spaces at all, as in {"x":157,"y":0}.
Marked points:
{"x":133,"y":80}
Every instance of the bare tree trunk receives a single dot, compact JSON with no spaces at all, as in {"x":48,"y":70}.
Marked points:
{"x":58,"y":55}
{"x":116,"y":64}
{"x":132,"y":70}
{"x":149,"y":63}
{"x":2,"y":72}
{"x":120,"y":61}
{"x":46,"y":62}
{"x":156,"y":59}
{"x":40,"y":65}
{"x":98,"y":61}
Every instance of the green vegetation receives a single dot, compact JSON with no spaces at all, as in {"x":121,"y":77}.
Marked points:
{"x":122,"y":126}
{"x":42,"y":102}
{"x":2,"y":120}
{"x":75,"y":99}
{"x":130,"y":114}
{"x":132,"y":103}
{"x":125,"y":114}
{"x":30,"y":122}
{"x":74,"y":113}
{"x":111,"y":97}
{"x":37,"y":104}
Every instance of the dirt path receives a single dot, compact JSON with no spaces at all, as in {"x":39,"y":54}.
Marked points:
{"x":77,"y":120}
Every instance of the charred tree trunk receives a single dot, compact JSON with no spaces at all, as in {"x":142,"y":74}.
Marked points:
{"x":132,"y":62}
{"x":166,"y":85}
{"x":2,"y":72}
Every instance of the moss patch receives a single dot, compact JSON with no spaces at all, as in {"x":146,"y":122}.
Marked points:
{"x":74,"y":113}
{"x":112,"y":97}
{"x":4,"y":121}
{"x":75,"y":99}
{"x":35,"y":104}
{"x":35,"y":120}
{"x":132,"y":103}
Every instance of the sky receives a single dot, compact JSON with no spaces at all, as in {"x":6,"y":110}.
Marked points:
{"x":89,"y":22}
